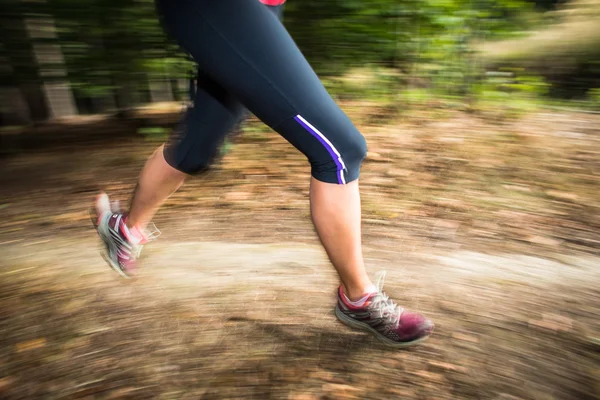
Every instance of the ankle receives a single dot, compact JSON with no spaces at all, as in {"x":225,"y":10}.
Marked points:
{"x":134,"y":232}
{"x":135,"y":222}
{"x":132,"y":224}
{"x":354,"y":293}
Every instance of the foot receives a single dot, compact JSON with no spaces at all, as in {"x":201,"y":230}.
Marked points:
{"x":379,"y":315}
{"x":121,"y":246}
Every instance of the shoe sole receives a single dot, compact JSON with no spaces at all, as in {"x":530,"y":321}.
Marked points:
{"x":112,"y":264}
{"x":107,"y":244}
{"x":352,"y":323}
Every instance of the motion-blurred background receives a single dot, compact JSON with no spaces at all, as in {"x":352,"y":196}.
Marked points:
{"x":63,"y":58}
{"x":479,"y":195}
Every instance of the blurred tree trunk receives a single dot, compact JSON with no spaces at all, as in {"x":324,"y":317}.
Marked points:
{"x":183,"y":89}
{"x":35,"y":63}
{"x":50,"y":61}
{"x":127,"y":94}
{"x":21,"y":71}
{"x":13,"y":108}
{"x":160,"y":90}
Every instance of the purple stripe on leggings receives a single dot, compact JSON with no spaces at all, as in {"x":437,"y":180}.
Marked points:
{"x":332,"y":151}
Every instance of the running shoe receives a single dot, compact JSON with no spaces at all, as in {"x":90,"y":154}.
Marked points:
{"x":121,"y":247}
{"x":379,"y":315}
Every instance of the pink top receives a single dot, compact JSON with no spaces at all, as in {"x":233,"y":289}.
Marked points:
{"x":272,"y":2}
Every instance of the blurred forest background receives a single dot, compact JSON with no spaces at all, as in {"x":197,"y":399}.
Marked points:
{"x":60,"y":58}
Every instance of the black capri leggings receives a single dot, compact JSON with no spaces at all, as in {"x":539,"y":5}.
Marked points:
{"x":246,"y":59}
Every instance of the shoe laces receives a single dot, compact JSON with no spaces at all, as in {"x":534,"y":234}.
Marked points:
{"x":383,"y":306}
{"x":150,"y":233}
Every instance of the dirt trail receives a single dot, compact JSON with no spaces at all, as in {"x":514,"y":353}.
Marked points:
{"x":494,"y":236}
{"x":221,"y":320}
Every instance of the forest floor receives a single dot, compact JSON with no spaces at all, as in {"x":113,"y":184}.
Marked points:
{"x":488,"y":226}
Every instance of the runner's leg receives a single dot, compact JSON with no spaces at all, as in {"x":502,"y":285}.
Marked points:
{"x":157,"y":182}
{"x":190,"y":149}
{"x":247,"y":51}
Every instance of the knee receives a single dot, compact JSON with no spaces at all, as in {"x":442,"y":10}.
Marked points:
{"x":184,"y":163}
{"x":345,"y":167}
{"x":353,"y":156}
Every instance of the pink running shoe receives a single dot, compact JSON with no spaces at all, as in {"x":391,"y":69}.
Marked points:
{"x":121,"y":246}
{"x":379,"y":315}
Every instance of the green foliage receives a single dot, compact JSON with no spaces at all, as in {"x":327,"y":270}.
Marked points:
{"x":372,"y":82}
{"x":226,"y":147}
{"x":513,"y":82}
{"x":594,"y":97}
{"x":108,"y":42}
{"x":153,"y":133}
{"x":336,"y":35}
{"x":392,"y":50}
{"x":510,"y":93}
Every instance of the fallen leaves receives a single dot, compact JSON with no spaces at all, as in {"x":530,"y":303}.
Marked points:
{"x":464,"y":337}
{"x":302,"y":396}
{"x":375,"y":157}
{"x":562,"y":195}
{"x":31,"y":345}
{"x":5,"y":383}
{"x":477,"y":188}
{"x":341,"y":391}
{"x":553,"y":322}
{"x":447,"y":366}
{"x":430,"y":376}
{"x":544,"y":240}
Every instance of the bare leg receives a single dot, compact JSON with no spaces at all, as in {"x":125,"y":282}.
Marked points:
{"x":336,"y":215}
{"x":123,"y":238}
{"x":158,"y":180}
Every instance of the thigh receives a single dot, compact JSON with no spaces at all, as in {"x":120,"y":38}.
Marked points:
{"x":243,"y":47}
{"x":213,"y":114}
{"x":246,"y":49}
